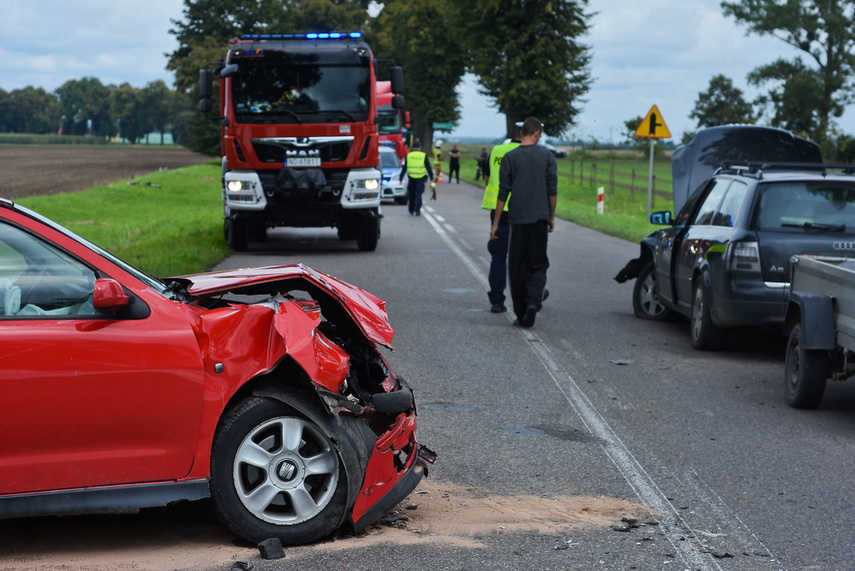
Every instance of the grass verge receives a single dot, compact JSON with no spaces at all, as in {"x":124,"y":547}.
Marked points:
{"x":166,"y":223}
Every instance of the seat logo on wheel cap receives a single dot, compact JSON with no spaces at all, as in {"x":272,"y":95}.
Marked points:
{"x":287,"y":470}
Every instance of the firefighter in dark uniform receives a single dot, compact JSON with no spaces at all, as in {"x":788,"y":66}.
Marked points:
{"x":417,"y":167}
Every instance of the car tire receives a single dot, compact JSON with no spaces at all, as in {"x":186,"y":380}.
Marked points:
{"x":369,"y":234}
{"x":706,"y":335}
{"x":401,"y":200}
{"x":645,"y":296}
{"x":237,"y":233}
{"x":275,"y":473}
{"x":806,"y":372}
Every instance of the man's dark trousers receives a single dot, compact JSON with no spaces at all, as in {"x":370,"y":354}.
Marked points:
{"x":415,"y":189}
{"x":527,"y":265}
{"x":498,"y":248}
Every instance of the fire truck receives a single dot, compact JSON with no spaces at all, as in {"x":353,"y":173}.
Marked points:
{"x":392,"y":120}
{"x":299,"y":119}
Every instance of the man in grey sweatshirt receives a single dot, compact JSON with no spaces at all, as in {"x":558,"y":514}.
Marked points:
{"x":530,"y":175}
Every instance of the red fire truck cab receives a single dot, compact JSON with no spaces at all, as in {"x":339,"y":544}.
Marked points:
{"x":299,"y":132}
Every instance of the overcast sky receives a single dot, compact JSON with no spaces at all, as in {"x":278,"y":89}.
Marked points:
{"x":655,"y":52}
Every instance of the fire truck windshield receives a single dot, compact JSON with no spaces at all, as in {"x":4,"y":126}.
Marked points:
{"x":388,"y":120}
{"x":271,"y":90}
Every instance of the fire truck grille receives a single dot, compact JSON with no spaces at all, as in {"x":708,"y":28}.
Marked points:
{"x":276,"y":151}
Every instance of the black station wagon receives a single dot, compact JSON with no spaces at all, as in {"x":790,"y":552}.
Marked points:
{"x":724,"y":261}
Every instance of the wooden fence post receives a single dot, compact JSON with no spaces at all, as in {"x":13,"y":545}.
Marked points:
{"x":632,"y":187}
{"x":612,"y":178}
{"x":581,"y":171}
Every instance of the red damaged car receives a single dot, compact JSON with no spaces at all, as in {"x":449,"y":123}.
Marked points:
{"x":263,"y":389}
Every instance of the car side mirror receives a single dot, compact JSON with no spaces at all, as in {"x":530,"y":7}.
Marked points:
{"x":661,"y":218}
{"x":109,"y":295}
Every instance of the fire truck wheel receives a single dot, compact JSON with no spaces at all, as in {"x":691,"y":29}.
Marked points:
{"x":237,"y":234}
{"x":369,"y":233}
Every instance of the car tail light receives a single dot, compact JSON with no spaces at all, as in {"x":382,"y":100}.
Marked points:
{"x":743,"y":257}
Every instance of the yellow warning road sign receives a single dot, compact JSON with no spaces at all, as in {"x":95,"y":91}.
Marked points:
{"x":653,"y":126}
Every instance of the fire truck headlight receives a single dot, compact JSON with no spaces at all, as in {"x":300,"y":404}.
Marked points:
{"x":234,"y":186}
{"x":366,"y":189}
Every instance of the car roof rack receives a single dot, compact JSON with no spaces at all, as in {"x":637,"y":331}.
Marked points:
{"x":756,"y":169}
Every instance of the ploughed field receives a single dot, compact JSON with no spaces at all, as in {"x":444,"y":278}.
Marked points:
{"x":31,"y":170}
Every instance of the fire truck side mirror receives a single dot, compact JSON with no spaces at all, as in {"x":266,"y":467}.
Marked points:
{"x":396,"y":74}
{"x":205,"y":84}
{"x":398,"y":102}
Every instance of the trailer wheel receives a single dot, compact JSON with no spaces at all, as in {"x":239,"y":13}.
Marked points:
{"x":369,"y":234}
{"x":805,"y":373}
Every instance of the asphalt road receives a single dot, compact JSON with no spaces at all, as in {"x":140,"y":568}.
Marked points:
{"x":590,"y":403}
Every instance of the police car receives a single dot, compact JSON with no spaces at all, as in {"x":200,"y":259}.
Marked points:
{"x":390,"y":164}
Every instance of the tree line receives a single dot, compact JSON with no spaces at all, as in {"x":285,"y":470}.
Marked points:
{"x":529,"y":57}
{"x":88,"y":107}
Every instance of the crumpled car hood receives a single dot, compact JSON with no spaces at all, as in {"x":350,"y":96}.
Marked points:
{"x":367,"y":310}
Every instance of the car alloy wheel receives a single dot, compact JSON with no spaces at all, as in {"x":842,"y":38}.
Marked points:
{"x":285,"y":471}
{"x":275,"y":473}
{"x":645,"y":296}
{"x":706,"y":335}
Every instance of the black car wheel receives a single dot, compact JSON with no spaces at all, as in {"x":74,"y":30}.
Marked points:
{"x":275,"y":473}
{"x":806,"y":372}
{"x":645,"y":296}
{"x":706,"y":335}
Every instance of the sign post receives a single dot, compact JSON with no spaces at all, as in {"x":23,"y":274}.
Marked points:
{"x":652,"y":127}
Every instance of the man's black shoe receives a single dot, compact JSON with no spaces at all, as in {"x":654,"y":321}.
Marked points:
{"x":528,"y":319}
{"x":545,"y":294}
{"x":498,"y":308}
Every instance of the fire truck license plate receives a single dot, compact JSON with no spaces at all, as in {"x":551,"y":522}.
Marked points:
{"x":303,"y":162}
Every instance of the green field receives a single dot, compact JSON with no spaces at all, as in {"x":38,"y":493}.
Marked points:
{"x":623,"y":176}
{"x":170,"y":223}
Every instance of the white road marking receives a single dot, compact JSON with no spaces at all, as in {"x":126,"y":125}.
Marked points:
{"x":673,"y":526}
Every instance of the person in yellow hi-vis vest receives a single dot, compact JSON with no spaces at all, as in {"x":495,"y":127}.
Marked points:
{"x":437,"y":156}
{"x":498,"y":248}
{"x":417,"y":168}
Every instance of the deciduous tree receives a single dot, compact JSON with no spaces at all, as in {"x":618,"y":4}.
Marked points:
{"x":721,"y":104}
{"x":530,"y":59}
{"x":824,"y":30}
{"x":420,"y":36}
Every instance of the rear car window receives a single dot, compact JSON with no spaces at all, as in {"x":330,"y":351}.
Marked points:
{"x":707,"y":212}
{"x":800,"y":205}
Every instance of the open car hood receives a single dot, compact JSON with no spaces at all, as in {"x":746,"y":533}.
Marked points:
{"x":367,"y":310}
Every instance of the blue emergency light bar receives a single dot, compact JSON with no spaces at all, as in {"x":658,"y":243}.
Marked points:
{"x":307,"y":36}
